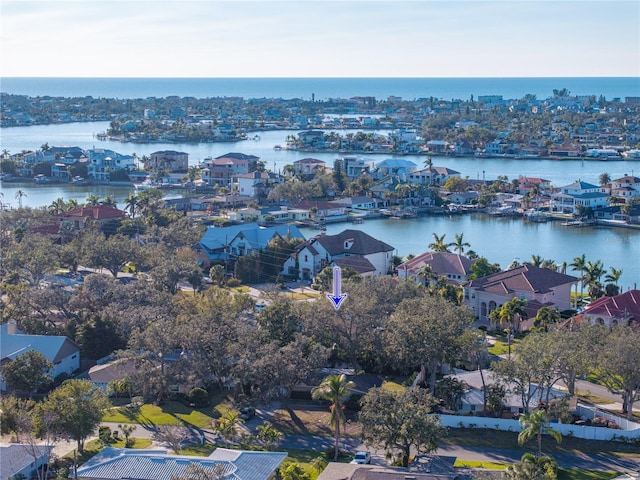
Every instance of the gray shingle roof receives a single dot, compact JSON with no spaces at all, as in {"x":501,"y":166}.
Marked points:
{"x":363,"y":244}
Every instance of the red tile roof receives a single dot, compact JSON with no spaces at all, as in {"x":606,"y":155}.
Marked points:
{"x":96,"y":212}
{"x":623,"y":306}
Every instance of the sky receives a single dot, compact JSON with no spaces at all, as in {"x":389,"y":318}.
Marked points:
{"x":319,"y":38}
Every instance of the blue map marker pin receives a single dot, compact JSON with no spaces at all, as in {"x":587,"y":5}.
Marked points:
{"x":337,"y":297}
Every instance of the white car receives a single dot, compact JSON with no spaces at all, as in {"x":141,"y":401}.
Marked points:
{"x":362,"y":458}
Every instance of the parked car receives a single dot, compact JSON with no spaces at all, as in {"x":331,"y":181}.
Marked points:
{"x":362,"y":458}
{"x":247,"y":413}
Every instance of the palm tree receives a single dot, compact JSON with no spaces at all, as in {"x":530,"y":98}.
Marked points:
{"x":131,"y":203}
{"x":438,"y":244}
{"x":604,"y":178}
{"x":459,"y":245}
{"x":109,"y":200}
{"x":19,"y":195}
{"x":532,"y":468}
{"x":57,"y":206}
{"x":613,"y":276}
{"x":593,"y":273}
{"x":579,"y":264}
{"x":93,"y":200}
{"x":536,"y":261}
{"x":534,"y":424}
{"x":334,"y":388}
{"x":545,"y":316}
{"x":505,"y":316}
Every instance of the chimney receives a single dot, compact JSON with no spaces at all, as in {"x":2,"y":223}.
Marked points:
{"x":12,"y":328}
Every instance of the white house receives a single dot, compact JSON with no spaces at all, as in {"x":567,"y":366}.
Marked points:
{"x":538,"y":286}
{"x":256,"y":184}
{"x":309,"y":166}
{"x":322,"y":250}
{"x":59,"y":350}
{"x":576,"y":194}
{"x":432,"y":176}
{"x":101,"y":162}
{"x":626,"y":188}
{"x":118,"y":463}
{"x":22,"y":460}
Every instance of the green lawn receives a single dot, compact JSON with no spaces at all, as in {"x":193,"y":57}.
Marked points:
{"x":171,"y":413}
{"x":574,"y":474}
{"x":479,"y":464}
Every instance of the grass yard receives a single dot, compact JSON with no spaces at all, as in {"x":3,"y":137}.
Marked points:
{"x":574,"y":474}
{"x":479,"y":464}
{"x":302,"y":296}
{"x":171,"y":413}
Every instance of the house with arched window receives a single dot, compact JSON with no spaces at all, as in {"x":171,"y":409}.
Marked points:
{"x":622,"y":309}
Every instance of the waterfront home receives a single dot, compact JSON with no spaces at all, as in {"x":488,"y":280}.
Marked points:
{"x":222,"y":170}
{"x":257,"y":184}
{"x":626,"y":188}
{"x":354,"y":167}
{"x":528,"y":184}
{"x":578,"y":194}
{"x":432,"y":176}
{"x":533,"y":284}
{"x":564,"y":151}
{"x":22,"y":460}
{"x":322,"y":210}
{"x":62,"y":352}
{"x":360,"y":204}
{"x":395,"y":167}
{"x":463,"y":198}
{"x":117,"y":463}
{"x":454,"y":268}
{"x":168,"y":160}
{"x":222,"y":244}
{"x":622,"y":309}
{"x":321,"y":251}
{"x":278,"y":214}
{"x":308,"y":167}
{"x":102,"y":162}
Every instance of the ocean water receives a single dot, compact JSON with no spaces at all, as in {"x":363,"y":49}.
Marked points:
{"x":320,"y":88}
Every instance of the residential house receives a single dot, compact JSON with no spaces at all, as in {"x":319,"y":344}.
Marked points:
{"x":264,"y":215}
{"x":22,"y":460}
{"x":222,"y":170}
{"x":360,"y":204}
{"x":103,"y":374}
{"x":101,"y":162}
{"x":564,"y":151}
{"x":463,"y":198}
{"x":422,"y":467}
{"x":432,"y":176}
{"x":626,"y":188}
{"x":257,"y":184}
{"x":308,"y":167}
{"x":437,"y":146}
{"x":395,"y":167}
{"x":533,"y":284}
{"x":169,"y":160}
{"x":158,"y":464}
{"x":569,"y":198}
{"x":319,"y":209}
{"x":82,"y":217}
{"x":512,"y":404}
{"x":354,"y":167}
{"x":528,"y":184}
{"x":453,"y":267}
{"x":322,"y":250}
{"x":62,"y":352}
{"x":622,"y":309}
{"x":224,"y":244}
{"x":312,"y":138}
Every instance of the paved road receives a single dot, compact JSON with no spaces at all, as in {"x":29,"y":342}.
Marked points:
{"x":588,"y":462}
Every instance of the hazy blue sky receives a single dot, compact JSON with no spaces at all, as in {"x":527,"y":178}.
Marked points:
{"x":319,"y":38}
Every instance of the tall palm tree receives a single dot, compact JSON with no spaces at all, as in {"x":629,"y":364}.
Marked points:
{"x":334,"y":388}
{"x":459,"y":244}
{"x":579,"y":264}
{"x":536,"y":261}
{"x":438,"y":244}
{"x":593,"y":272}
{"x":534,"y":424}
{"x":57,"y":206}
{"x":19,"y":195}
{"x":131,"y":203}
